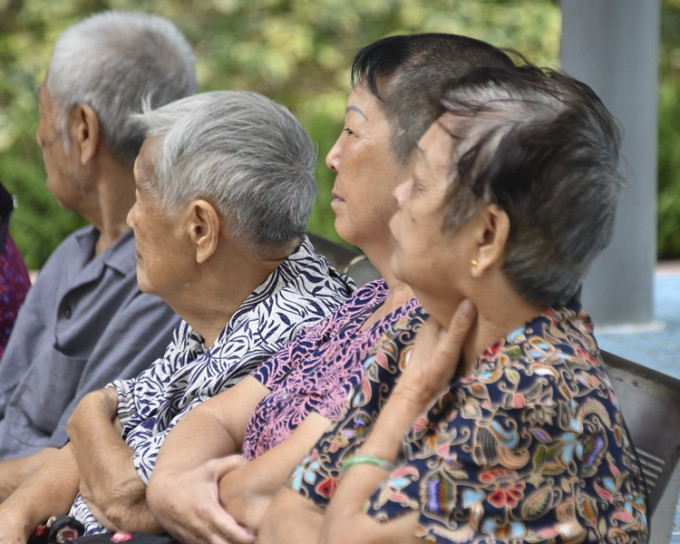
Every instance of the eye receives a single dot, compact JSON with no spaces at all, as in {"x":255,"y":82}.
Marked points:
{"x":349,"y":131}
{"x":416,"y":185}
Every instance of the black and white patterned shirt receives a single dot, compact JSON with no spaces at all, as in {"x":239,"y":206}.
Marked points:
{"x":299,"y":293}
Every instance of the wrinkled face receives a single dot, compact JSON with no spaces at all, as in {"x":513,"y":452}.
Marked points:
{"x":433,"y":262}
{"x":61,"y":167}
{"x":366,"y":172}
{"x":162,"y":257}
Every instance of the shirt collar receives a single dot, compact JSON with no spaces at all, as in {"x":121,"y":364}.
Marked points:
{"x":120,"y":256}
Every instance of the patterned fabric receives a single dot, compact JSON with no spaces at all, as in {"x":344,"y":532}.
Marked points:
{"x":318,"y":370}
{"x":299,"y":293}
{"x":530,"y":448}
{"x":14,"y":284}
{"x":84,"y":320}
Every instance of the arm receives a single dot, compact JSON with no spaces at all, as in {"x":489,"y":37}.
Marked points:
{"x":290,"y":518}
{"x":192,"y":461}
{"x":433,"y":364}
{"x":49,"y":491}
{"x":247,"y":491}
{"x":110,"y":483}
{"x":13,"y":472}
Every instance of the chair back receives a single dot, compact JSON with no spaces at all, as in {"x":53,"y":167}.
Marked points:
{"x":650,"y":403}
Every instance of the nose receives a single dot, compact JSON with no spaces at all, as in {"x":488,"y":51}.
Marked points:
{"x":333,"y":156}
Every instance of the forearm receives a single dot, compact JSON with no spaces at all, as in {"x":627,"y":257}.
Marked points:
{"x":195,"y":440}
{"x":345,"y":519}
{"x":49,"y":491}
{"x":14,"y":472}
{"x":110,"y":483}
{"x":247,"y":491}
{"x":290,"y":519}
{"x":432,"y":364}
{"x":183,"y":491}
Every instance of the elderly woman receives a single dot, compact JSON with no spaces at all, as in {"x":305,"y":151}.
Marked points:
{"x":511,"y":433}
{"x":224,"y":188}
{"x":274,"y":416}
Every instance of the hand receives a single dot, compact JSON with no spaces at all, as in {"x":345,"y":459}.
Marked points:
{"x":187,"y":504}
{"x":435,"y":357}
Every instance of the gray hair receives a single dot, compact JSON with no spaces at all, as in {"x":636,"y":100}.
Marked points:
{"x":403,"y":72}
{"x":246,"y":154}
{"x":544,"y":148}
{"x":112,"y":61}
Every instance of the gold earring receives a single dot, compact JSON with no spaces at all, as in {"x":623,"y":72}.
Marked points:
{"x":473,"y":262}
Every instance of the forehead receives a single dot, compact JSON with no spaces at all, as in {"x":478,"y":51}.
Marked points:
{"x":146,"y":159}
{"x":434,"y":150}
{"x":362,"y":102}
{"x":44,"y":98}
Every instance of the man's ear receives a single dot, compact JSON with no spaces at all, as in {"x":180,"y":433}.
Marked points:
{"x":204,"y":229}
{"x":85,"y":131}
{"x":491,"y":238}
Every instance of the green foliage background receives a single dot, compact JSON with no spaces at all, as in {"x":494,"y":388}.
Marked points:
{"x":295,"y":51}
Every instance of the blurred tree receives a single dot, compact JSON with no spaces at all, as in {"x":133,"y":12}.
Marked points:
{"x":295,"y":51}
{"x":668,"y":212}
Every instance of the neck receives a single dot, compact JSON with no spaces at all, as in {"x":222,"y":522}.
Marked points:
{"x":215,"y":296}
{"x":495,"y":320}
{"x":111,"y":201}
{"x":399,"y":292}
{"x":500,"y":310}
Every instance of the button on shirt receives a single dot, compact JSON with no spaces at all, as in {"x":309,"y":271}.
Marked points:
{"x":83,"y":324}
{"x":299,"y":293}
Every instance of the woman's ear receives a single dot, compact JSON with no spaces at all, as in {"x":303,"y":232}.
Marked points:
{"x":204,"y":229}
{"x":491,"y":240}
{"x":84,"y":131}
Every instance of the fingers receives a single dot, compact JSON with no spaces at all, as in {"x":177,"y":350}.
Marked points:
{"x":223,"y":465}
{"x":453,"y":338}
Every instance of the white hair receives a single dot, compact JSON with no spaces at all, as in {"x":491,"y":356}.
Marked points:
{"x":243,"y":152}
{"x":112,"y":61}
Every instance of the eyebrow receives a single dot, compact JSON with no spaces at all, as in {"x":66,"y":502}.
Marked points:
{"x":357,"y":110}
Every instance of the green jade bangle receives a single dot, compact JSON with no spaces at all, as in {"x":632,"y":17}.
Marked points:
{"x":368,"y":460}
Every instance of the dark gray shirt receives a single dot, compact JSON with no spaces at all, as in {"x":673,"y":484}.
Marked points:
{"x":84,"y":323}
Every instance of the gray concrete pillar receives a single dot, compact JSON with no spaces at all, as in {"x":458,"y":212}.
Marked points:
{"x":613,"y":46}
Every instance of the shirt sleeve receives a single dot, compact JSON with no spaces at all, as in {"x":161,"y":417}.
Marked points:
{"x":146,"y":324}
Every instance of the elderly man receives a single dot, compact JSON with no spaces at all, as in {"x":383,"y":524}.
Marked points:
{"x":225,"y":186}
{"x":85,"y":321}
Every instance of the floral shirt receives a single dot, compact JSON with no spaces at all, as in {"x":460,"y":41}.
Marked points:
{"x":318,"y":370}
{"x":531,"y":447}
{"x":14,"y":284}
{"x":300,"y":292}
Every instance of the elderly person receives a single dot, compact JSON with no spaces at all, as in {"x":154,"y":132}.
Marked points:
{"x":85,"y":321}
{"x":225,"y":186}
{"x":511,"y":433}
{"x":275,"y":415}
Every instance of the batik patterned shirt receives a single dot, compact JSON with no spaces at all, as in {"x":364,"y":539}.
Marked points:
{"x":300,"y":292}
{"x":318,"y":370}
{"x":531,"y":447}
